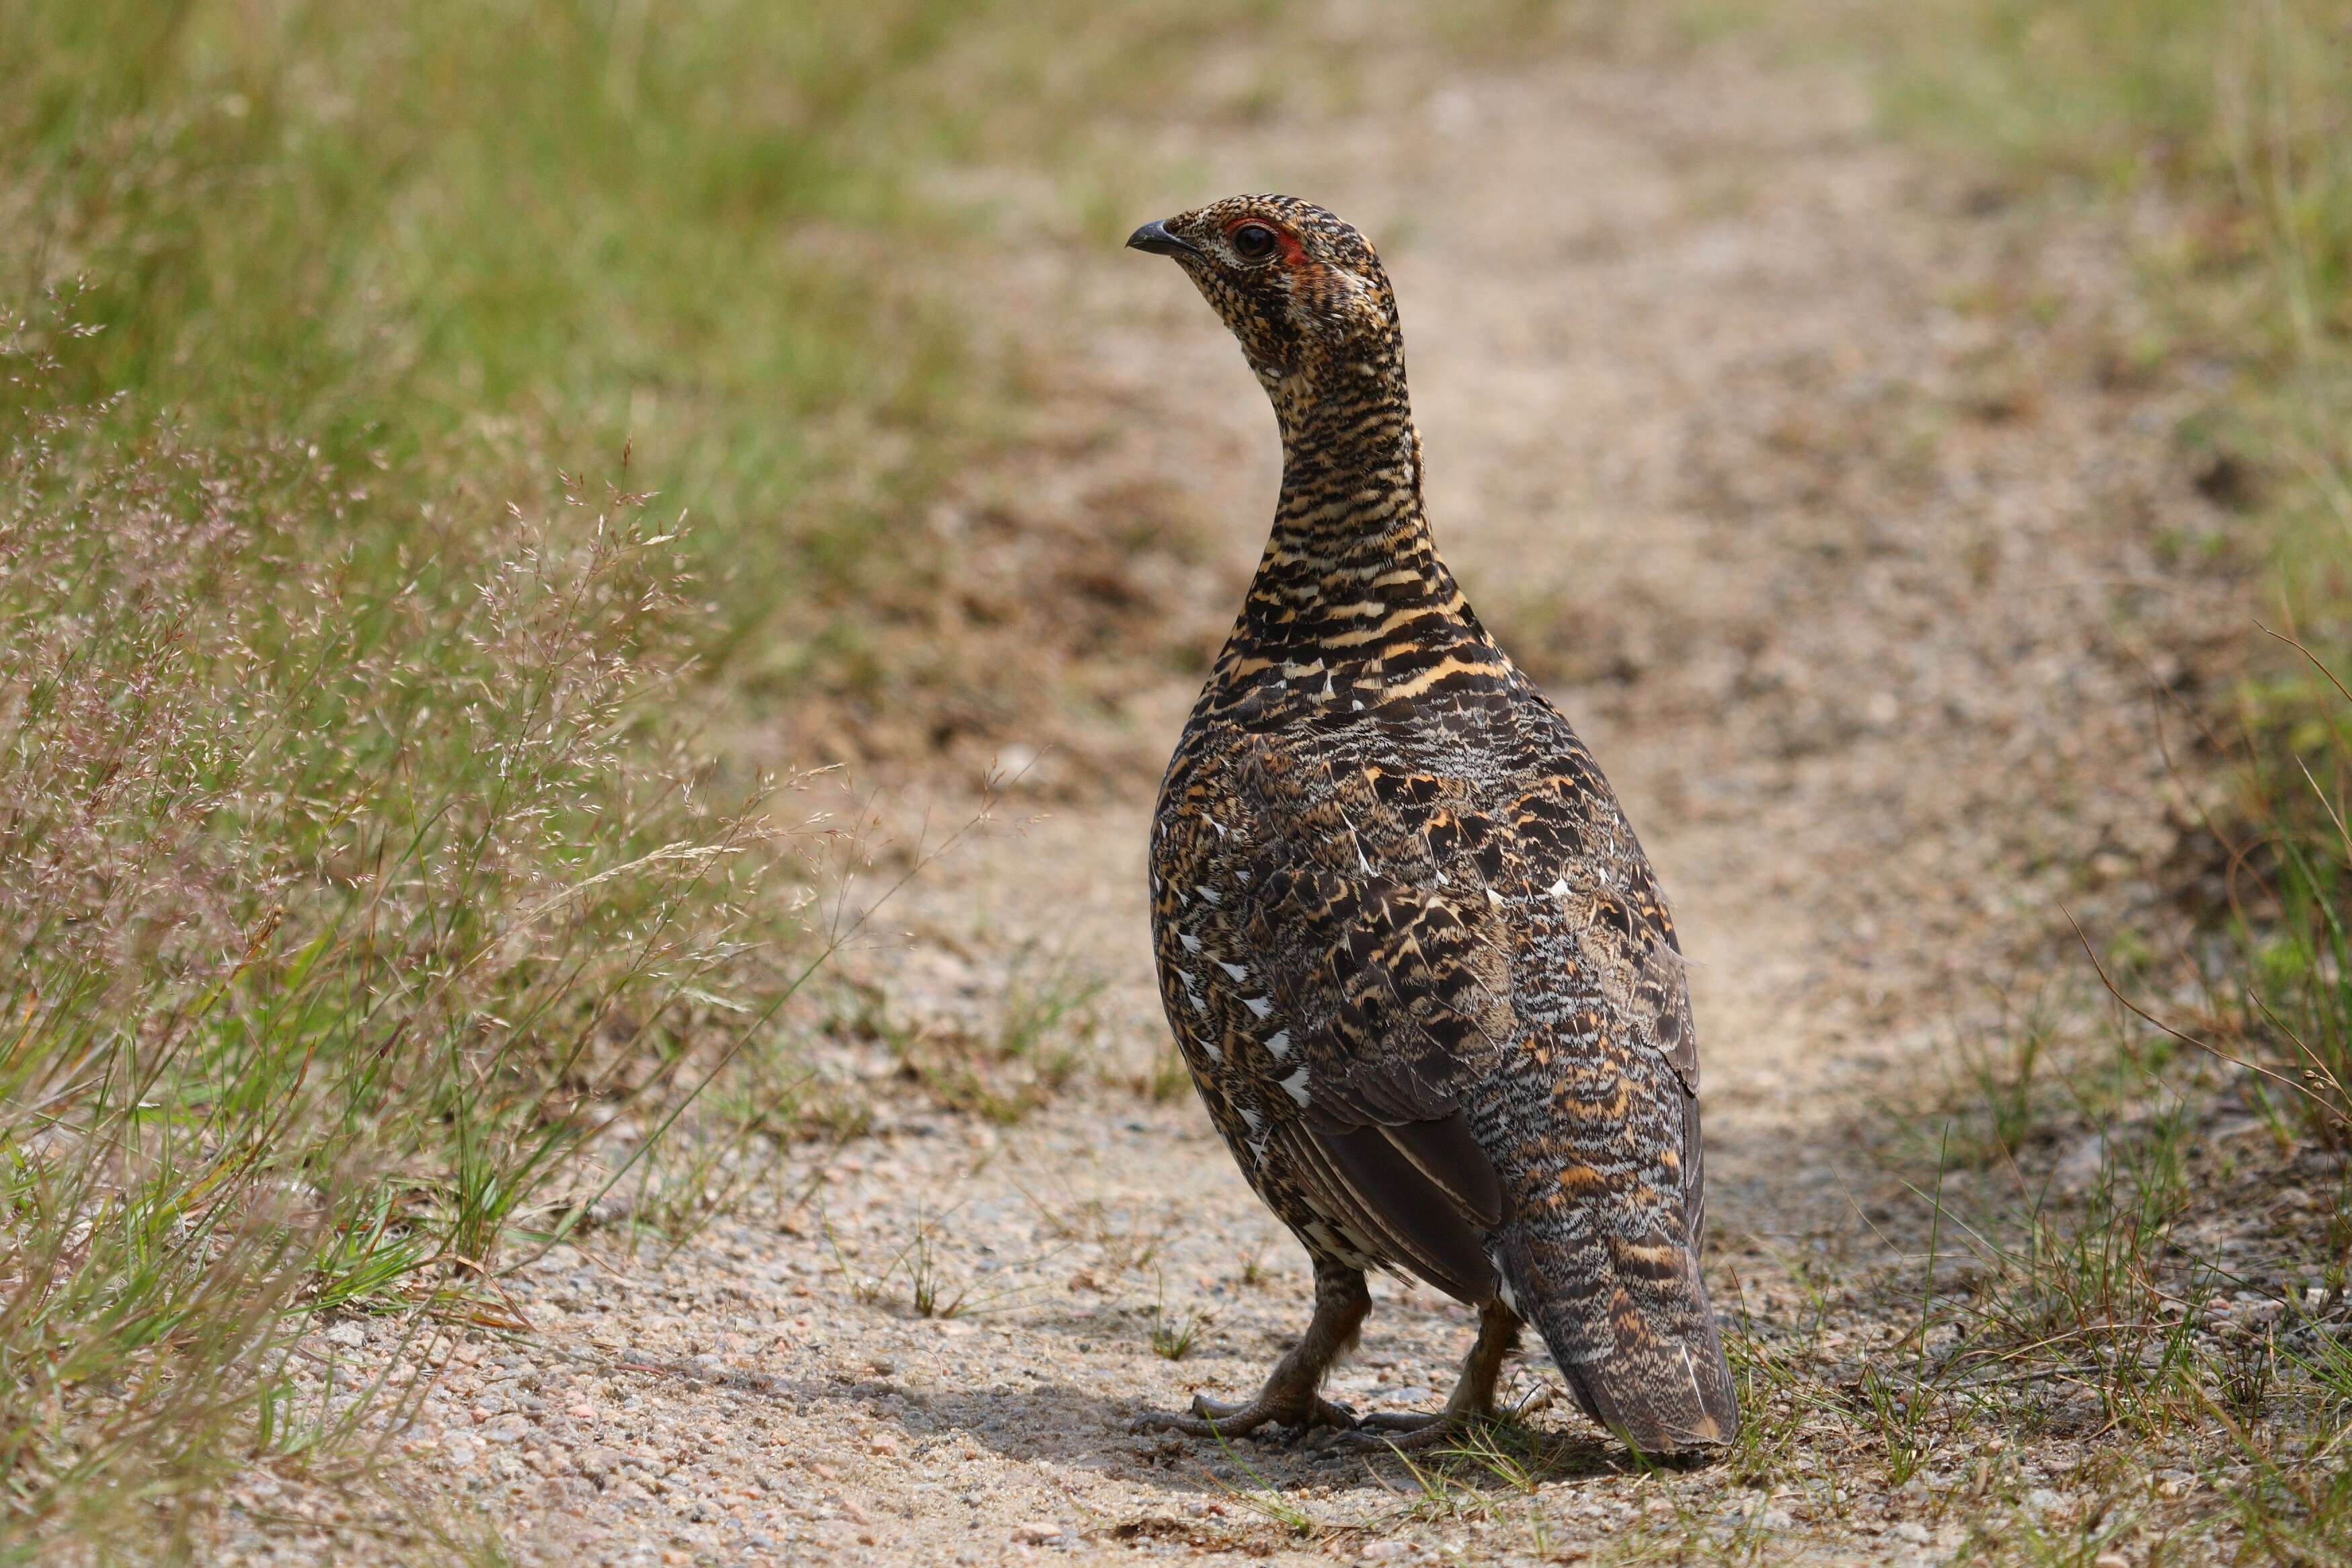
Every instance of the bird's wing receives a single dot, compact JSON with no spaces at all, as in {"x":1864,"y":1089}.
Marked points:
{"x":1391,"y":982}
{"x":1606,"y":1258}
{"x":1609,"y":919}
{"x":1640,"y":959}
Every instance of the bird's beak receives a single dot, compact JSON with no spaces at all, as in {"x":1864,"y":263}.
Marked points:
{"x":1155,"y":237}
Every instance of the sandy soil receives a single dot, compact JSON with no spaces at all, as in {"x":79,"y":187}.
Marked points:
{"x":1813,"y":481}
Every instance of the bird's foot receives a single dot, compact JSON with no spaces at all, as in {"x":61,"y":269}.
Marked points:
{"x":1222,"y":1419}
{"x":1399,"y":1429}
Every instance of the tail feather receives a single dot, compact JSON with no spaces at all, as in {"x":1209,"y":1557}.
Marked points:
{"x":1674,"y":1398}
{"x":1635,"y":1339}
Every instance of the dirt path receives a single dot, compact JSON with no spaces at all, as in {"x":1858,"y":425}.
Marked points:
{"x":1812,"y":484}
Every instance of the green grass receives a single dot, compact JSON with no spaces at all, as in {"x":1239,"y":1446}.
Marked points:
{"x":334,"y":888}
{"x":2216,"y":142}
{"x":457,"y":248}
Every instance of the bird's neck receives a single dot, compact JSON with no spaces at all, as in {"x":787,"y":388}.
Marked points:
{"x":1350,"y":561}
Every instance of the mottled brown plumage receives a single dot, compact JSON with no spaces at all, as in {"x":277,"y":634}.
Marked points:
{"x":1425,"y":982}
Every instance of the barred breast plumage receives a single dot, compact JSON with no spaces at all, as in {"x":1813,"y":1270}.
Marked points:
{"x":1416,"y":960}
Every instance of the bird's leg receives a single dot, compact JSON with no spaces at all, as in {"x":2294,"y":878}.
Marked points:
{"x":1291,"y":1396}
{"x":1473,"y":1398}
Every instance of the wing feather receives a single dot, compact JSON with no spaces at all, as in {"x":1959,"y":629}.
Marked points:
{"x":1390,"y":989}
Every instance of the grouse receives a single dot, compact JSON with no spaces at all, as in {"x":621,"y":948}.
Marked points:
{"x":1424,"y":980}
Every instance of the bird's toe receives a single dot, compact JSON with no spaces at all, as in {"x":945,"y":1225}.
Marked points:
{"x":1397,"y":1431}
{"x":1398,"y":1421}
{"x":1223,"y":1418}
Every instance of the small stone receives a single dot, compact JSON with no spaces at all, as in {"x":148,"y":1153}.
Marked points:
{"x":351,"y":1336}
{"x":2110,"y":1560}
{"x":2041,"y":1500}
{"x":1384,"y":1552}
{"x":883,"y":1443}
{"x":1915,"y":1533}
{"x":1035,"y":1534}
{"x":581,"y":1412}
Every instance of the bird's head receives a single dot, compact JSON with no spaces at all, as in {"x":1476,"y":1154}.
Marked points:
{"x":1303,"y":291}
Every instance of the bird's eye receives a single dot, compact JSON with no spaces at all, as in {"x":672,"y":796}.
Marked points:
{"x":1254,"y":242}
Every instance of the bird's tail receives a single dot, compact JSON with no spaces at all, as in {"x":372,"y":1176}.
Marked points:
{"x":1628,"y":1324}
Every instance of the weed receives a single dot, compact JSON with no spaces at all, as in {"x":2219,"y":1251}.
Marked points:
{"x":1044,"y":1028}
{"x":926,"y":1286}
{"x":1173,"y":1336}
{"x":931,"y":1292}
{"x":1439,"y":1493}
{"x":1254,"y":1275}
{"x":1130,"y":1240}
{"x":314,"y":882}
{"x":1264,"y":1497}
{"x":1167,"y":1079}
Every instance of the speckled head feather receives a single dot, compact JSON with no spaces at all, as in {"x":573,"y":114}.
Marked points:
{"x":1307,"y":298}
{"x":1295,"y":285}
